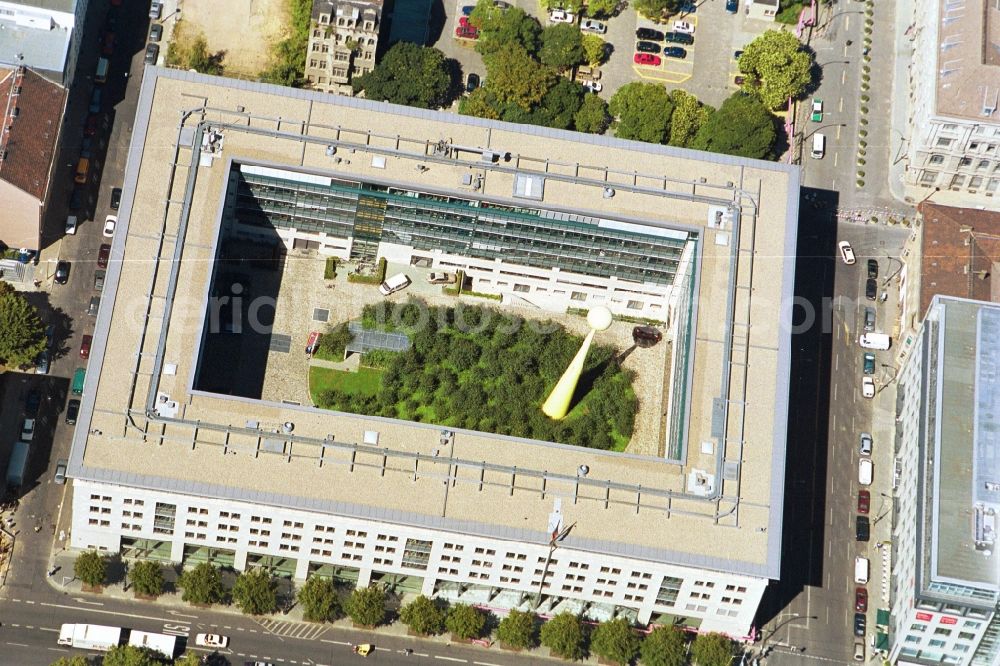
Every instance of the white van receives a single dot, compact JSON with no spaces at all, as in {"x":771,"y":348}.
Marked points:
{"x":874,"y":341}
{"x":861,"y":570}
{"x":819,"y":146}
{"x":394,"y":284}
{"x":865,"y":472}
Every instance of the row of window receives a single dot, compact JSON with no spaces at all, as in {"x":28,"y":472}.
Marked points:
{"x":963,"y":162}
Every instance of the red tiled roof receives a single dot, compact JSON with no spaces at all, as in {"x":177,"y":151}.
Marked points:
{"x":961,"y":251}
{"x":30,"y":141}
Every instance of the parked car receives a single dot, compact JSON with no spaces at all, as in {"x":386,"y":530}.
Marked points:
{"x":31,"y":403}
{"x":78,"y":198}
{"x":110,"y":222}
{"x":592,"y":86}
{"x":594,"y":26}
{"x":561,"y":16}
{"x":116,"y":197}
{"x":871,"y":289}
{"x":467,"y":10}
{"x":737,"y":54}
{"x":94,"y":306}
{"x":869,"y":319}
{"x":42,"y":363}
{"x":860,"y":624}
{"x":152,"y":54}
{"x":862,"y":528}
{"x":82,"y":171}
{"x":688,"y":8}
{"x":860,"y":599}
{"x":864,"y":501}
{"x":95,"y":101}
{"x":869,"y":363}
{"x":85,"y":346}
{"x":859,"y":651}
{"x":732,"y":6}
{"x":103,"y":253}
{"x":211,"y":640}
{"x":99,"y":280}
{"x":646,"y":59}
{"x":27,"y":430}
{"x":868,"y":387}
{"x":675,"y":52}
{"x":684,"y":26}
{"x":91,"y":125}
{"x":60,"y":476}
{"x":155,"y":10}
{"x":71,"y":224}
{"x":156,"y":32}
{"x":108,"y":43}
{"x":649,"y":33}
{"x":647,"y":47}
{"x":72,"y":411}
{"x":466,"y":32}
{"x":679,"y":38}
{"x":471,"y":82}
{"x":846,"y":252}
{"x":865,"y":444}
{"x":62,"y":272}
{"x":865,"y":471}
{"x":440,"y":278}
{"x":873,"y":269}
{"x":646,"y":336}
{"x":500,"y":4}
{"x":817,"y":110}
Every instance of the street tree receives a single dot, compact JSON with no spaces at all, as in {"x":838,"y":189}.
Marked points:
{"x":130,"y":655}
{"x":423,"y":616}
{"x":595,"y":49}
{"x":642,"y":112}
{"x":480,"y":103}
{"x":501,"y":27}
{"x":712,"y":650}
{"x":409,"y":74}
{"x":563,"y":634}
{"x":601,"y":8}
{"x":776,"y":66}
{"x":514,"y":77}
{"x":656,"y":9}
{"x":465,"y":621}
{"x":664,"y":646}
{"x":75,"y":660}
{"x":202,"y":585}
{"x":91,"y":568}
{"x":256,"y":592}
{"x":189,"y":659}
{"x":562,"y":46}
{"x":22,"y":333}
{"x":742,"y":126}
{"x":518,"y":630}
{"x":147,"y":578}
{"x":557,"y":109}
{"x":593,"y":115}
{"x":319,"y":600}
{"x":366,"y":606}
{"x":688,"y":117}
{"x":615,"y":641}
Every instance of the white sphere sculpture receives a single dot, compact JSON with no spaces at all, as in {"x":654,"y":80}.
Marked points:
{"x":599,"y":318}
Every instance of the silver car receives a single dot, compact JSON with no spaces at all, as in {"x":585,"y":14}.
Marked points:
{"x":60,"y":475}
{"x":865,"y":447}
{"x":596,"y":27}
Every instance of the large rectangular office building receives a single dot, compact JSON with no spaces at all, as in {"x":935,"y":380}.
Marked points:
{"x":169,"y":465}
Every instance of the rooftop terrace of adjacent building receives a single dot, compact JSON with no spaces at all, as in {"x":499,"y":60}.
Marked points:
{"x":393,"y":470}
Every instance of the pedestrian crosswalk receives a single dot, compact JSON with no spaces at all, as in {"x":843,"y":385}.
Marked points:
{"x":306,"y":631}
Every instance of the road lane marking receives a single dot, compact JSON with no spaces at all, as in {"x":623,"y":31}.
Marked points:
{"x":17,"y":644}
{"x":835,"y":156}
{"x":437,"y":656}
{"x":107,"y":612}
{"x":484,"y":663}
{"x":843,"y":77}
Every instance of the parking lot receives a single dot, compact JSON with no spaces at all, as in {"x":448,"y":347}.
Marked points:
{"x":708,"y":69}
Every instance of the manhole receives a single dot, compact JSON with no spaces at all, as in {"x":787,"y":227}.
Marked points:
{"x":281,"y":343}
{"x":320,"y":314}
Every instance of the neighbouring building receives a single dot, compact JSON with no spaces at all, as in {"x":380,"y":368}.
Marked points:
{"x":44,"y":35}
{"x":343,"y":38}
{"x":946,"y":566}
{"x":954,"y":90}
{"x":174,"y":459}
{"x":32,"y":108}
{"x":763,"y":10}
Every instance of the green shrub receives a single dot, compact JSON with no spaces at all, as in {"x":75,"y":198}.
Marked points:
{"x":330,"y":270}
{"x":518,"y":630}
{"x":465,"y":621}
{"x":377,"y":278}
{"x":423,"y":616}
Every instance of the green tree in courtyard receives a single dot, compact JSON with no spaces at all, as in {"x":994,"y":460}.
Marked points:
{"x":562,"y":46}
{"x":742,"y":126}
{"x":593,"y":115}
{"x":776,"y":66}
{"x":514,"y":77}
{"x":595,"y":49}
{"x":409,"y":74}
{"x":642,"y":112}
{"x":688,"y":117}
{"x":499,"y":27}
{"x":22,"y":333}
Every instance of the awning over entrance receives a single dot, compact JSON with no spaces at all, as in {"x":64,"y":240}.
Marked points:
{"x":882,"y":641}
{"x":882,"y":617}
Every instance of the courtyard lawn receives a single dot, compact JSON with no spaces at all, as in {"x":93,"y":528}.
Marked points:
{"x":365,"y":381}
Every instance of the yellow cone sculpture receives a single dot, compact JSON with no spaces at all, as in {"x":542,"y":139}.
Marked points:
{"x":557,"y":404}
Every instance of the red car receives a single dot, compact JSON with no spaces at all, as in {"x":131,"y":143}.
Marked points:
{"x":466,"y":32}
{"x":108,"y":43}
{"x":861,"y":599}
{"x":102,"y":256}
{"x":85,"y":346}
{"x":864,"y":501}
{"x":646,"y":59}
{"x":91,"y":127}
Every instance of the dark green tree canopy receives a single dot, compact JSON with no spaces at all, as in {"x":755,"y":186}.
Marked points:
{"x":465,"y":621}
{"x":615,"y":641}
{"x":742,"y":126}
{"x":498,"y":27}
{"x":562,"y":46}
{"x":22,"y":333}
{"x":366,"y":606}
{"x":514,"y":77}
{"x":593,"y":115}
{"x":656,"y":9}
{"x":409,"y":74}
{"x":688,"y":117}
{"x":518,"y":630}
{"x":424,"y":616}
{"x":255,"y":592}
{"x":776,"y":66}
{"x":564,"y":635}
{"x":129,"y":655}
{"x":712,"y":650}
{"x":146,"y":577}
{"x":664,"y":646}
{"x":202,"y":585}
{"x":319,"y":600}
{"x":643,"y":112}
{"x":90,"y":567}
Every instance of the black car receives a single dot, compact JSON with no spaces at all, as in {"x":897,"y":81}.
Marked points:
{"x":31,"y":403}
{"x":152,"y":54}
{"x":679,"y":38}
{"x":737,"y":54}
{"x":78,"y":198}
{"x":646,"y":336}
{"x":860,"y":624}
{"x":62,"y":272}
{"x":688,"y":8}
{"x":72,"y":411}
{"x":675,"y":52}
{"x":116,"y":197}
{"x":732,"y":6}
{"x":156,"y":32}
{"x":873,"y":269}
{"x":862,"y":528}
{"x":871,"y":289}
{"x":471,"y":82}
{"x":649,"y":33}
{"x":647,"y":47}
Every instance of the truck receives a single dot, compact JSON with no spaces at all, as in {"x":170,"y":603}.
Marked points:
{"x":90,"y":636}
{"x":18,"y":464}
{"x":162,"y":643}
{"x":874,"y":341}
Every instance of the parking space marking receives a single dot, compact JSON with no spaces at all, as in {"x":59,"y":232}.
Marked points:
{"x":652,"y":75}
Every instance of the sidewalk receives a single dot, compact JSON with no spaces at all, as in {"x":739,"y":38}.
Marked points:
{"x":898,"y":129}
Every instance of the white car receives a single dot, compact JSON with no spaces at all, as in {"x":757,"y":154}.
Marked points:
{"x":27,"y":430}
{"x":109,"y":226}
{"x":683,"y":26}
{"x":865,"y":471}
{"x":868,"y":387}
{"x":440,"y":278}
{"x":846,"y":252}
{"x":71,"y":224}
{"x":211,"y":640}
{"x":561,"y":16}
{"x":592,"y":86}
{"x":590,"y":25}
